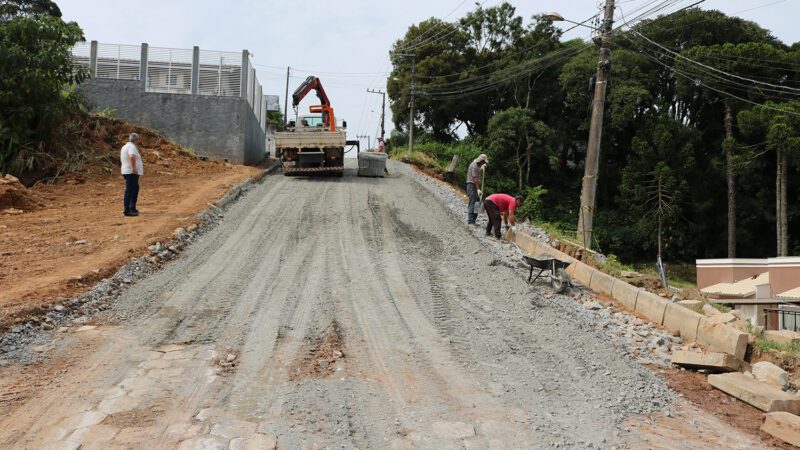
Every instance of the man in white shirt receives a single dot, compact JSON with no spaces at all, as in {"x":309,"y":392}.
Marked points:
{"x":132,"y":169}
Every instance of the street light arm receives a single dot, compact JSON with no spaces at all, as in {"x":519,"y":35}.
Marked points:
{"x":556,"y":17}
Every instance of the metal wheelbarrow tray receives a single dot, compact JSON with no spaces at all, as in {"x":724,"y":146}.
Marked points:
{"x":552,"y":268}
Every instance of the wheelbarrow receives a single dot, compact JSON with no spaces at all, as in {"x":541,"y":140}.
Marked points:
{"x":553,"y":269}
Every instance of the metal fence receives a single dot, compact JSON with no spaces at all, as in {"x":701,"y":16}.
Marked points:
{"x":169,"y":70}
{"x":220,"y":73}
{"x":175,"y":71}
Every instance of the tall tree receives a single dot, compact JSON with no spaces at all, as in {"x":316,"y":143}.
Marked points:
{"x":518,"y":130}
{"x":779,"y":125}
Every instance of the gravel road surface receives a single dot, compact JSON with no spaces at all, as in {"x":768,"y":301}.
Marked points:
{"x":337,"y":312}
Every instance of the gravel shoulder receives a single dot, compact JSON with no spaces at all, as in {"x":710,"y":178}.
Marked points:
{"x":350,"y":312}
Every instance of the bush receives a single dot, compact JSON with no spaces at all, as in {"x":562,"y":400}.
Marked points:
{"x":37,"y":79}
{"x":534,"y":203}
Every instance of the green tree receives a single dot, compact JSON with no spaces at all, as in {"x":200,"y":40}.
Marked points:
{"x":655,"y":182}
{"x":514,"y":136}
{"x":35,"y":79}
{"x":779,"y":125}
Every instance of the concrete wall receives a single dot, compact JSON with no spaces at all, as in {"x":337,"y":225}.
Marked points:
{"x":784,"y":274}
{"x":219,"y":127}
{"x":713,"y":271}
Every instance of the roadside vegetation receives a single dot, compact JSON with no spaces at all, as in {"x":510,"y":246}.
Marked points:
{"x":681,"y":142}
{"x":42,"y":116}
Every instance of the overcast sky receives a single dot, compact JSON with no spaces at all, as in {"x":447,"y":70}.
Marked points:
{"x":344,"y":42}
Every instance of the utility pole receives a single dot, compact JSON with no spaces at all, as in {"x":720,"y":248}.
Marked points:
{"x":411,"y":102}
{"x":383,"y":109}
{"x":589,"y":189}
{"x":367,"y":137}
{"x":286,"y":98}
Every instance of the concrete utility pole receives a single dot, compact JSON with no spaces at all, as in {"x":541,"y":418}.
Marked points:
{"x":286,"y":98}
{"x":589,"y":189}
{"x":383,"y":109}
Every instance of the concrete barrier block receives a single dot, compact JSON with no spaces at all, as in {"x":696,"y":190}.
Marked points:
{"x":626,"y":294}
{"x":583,"y":273}
{"x":717,"y":362}
{"x":676,"y":317}
{"x":651,"y":306}
{"x":759,"y":394}
{"x":602,"y":283}
{"x":721,"y":338}
{"x":784,"y":426}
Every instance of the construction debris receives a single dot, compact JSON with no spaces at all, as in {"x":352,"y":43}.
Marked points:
{"x":783,"y":426}
{"x":757,"y":393}
{"x":713,"y":361}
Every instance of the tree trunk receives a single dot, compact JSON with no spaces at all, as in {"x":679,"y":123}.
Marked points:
{"x":731,"y":185}
{"x":781,"y":212}
{"x":528,"y":156}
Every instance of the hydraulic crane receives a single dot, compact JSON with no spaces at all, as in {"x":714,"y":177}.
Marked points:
{"x":312,"y":82}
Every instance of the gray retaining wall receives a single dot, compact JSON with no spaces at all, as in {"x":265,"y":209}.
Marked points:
{"x":219,"y":127}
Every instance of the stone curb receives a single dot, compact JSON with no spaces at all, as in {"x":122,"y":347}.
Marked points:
{"x":692,"y":325}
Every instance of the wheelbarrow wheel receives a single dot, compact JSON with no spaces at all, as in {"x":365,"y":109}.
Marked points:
{"x":560,"y":281}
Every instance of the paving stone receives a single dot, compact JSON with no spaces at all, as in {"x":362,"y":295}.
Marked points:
{"x":453,"y":430}
{"x":85,"y":328}
{"x":134,"y":436}
{"x":204,"y":443}
{"x":232,"y":428}
{"x":719,"y":362}
{"x":167,"y":348}
{"x":771,"y":374}
{"x":757,"y":393}
{"x":94,"y":433}
{"x":254,"y":442}
{"x":783,"y":426}
{"x":117,"y":405}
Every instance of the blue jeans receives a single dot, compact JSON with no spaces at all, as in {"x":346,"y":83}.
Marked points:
{"x":472,"y":194}
{"x":131,"y":192}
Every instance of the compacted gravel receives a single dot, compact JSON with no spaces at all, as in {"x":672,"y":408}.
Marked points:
{"x":341,"y":312}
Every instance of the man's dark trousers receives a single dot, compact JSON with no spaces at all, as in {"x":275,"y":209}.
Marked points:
{"x":472,"y":197}
{"x":131,"y":192}
{"x":494,"y":218}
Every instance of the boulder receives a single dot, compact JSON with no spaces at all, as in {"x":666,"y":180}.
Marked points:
{"x":783,"y":426}
{"x":757,"y":393}
{"x":771,"y":374}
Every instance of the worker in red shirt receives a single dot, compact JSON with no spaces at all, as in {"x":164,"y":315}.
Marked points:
{"x":500,"y":207}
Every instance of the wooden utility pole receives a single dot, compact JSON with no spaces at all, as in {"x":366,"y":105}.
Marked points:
{"x":286,"y":98}
{"x":589,"y":189}
{"x":383,"y":109}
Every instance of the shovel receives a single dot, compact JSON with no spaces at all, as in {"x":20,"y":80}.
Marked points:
{"x":478,"y":207}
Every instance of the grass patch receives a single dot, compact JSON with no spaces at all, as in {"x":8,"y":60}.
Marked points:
{"x":765,"y":345}
{"x":419,"y":159}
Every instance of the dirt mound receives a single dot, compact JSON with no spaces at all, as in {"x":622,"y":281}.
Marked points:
{"x":15,"y":198}
{"x":320,"y":359}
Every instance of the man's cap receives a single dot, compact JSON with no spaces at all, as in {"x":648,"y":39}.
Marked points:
{"x":482,"y":157}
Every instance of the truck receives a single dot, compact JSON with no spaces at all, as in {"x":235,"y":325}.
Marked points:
{"x":313,"y":143}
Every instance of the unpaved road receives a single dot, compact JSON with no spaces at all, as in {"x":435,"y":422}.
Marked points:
{"x":357,"y":313}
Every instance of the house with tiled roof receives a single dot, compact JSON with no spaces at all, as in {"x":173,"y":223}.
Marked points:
{"x":766,"y":290}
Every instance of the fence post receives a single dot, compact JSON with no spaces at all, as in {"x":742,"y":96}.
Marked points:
{"x":245,"y":74}
{"x":93,"y":59}
{"x":143,"y":67}
{"x":195,"y":70}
